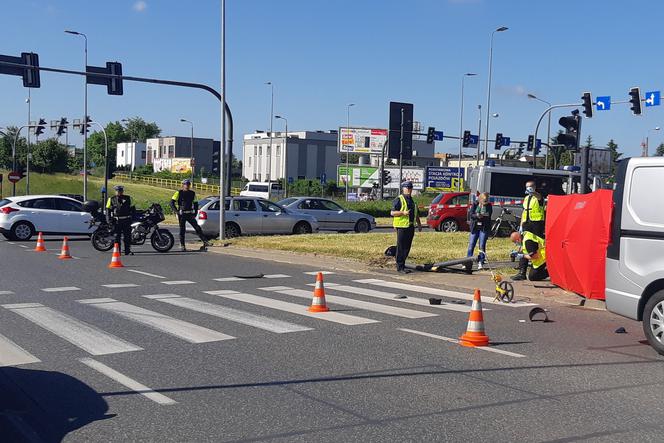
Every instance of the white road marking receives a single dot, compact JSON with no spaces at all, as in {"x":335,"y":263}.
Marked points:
{"x":177,"y":328}
{"x":454,"y":340}
{"x":179,"y":282}
{"x":434,"y":291}
{"x":12,"y":354}
{"x":120,"y":285}
{"x":322,"y":272}
{"x":225,"y":279}
{"x":375,"y":307}
{"x":62,"y":289}
{"x":6,"y":292}
{"x":22,"y":246}
{"x":236,"y":315}
{"x":293,"y":308}
{"x":145,"y":273}
{"x":85,"y":336}
{"x":128,"y":382}
{"x":391,"y":295}
{"x":276,"y":276}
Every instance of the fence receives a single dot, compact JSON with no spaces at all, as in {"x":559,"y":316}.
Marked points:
{"x":172,"y":184}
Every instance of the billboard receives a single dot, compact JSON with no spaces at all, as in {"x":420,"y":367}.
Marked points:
{"x":599,"y":161}
{"x":362,"y":140}
{"x":366,"y":176}
{"x":444,"y":179}
{"x":175,"y":165}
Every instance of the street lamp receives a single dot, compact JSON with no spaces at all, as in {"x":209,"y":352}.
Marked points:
{"x":269,"y":149}
{"x":285,"y":169}
{"x":495,"y":115}
{"x":191,"y":147}
{"x":656,"y":128}
{"x":85,"y":118}
{"x":348,"y":106}
{"x":463,"y":78}
{"x":488,"y":92}
{"x":548,"y":132}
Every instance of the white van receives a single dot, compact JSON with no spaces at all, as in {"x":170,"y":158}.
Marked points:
{"x":635,"y":256}
{"x":266,"y":190}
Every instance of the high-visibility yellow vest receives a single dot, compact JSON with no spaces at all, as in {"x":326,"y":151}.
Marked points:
{"x":539,"y":258}
{"x":403,"y":221}
{"x":532,"y":210}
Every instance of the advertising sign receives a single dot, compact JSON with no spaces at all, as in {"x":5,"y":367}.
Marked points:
{"x":366,"y":176}
{"x":362,"y":140}
{"x":181,"y":165}
{"x":444,"y":179}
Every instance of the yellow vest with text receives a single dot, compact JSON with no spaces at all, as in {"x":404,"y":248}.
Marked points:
{"x":540,"y":256}
{"x":403,"y":221}
{"x":532,"y":210}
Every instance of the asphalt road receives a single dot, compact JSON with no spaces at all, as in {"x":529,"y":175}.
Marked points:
{"x":161,"y":351}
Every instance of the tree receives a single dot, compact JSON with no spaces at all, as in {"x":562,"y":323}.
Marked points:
{"x":589,"y":141}
{"x":49,"y":156}
{"x":6,"y":144}
{"x":139,"y":130}
{"x":612,"y":146}
{"x":660,"y":150}
{"x":116,"y":133}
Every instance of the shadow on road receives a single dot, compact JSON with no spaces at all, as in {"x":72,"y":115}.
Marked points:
{"x":45,"y":405}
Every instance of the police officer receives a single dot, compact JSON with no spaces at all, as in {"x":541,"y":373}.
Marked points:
{"x":185,"y":205}
{"x":118,"y":211}
{"x":532,"y":218}
{"x":405,"y":217}
{"x":533,"y":249}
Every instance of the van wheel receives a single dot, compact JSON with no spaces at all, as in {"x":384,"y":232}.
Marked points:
{"x":653,"y":321}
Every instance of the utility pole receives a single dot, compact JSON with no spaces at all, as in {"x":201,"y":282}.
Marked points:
{"x":401,"y":150}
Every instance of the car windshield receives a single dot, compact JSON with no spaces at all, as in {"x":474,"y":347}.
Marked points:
{"x":286,"y":201}
{"x":437,"y":199}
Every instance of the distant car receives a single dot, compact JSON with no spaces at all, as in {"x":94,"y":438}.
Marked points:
{"x":22,"y":217}
{"x":251,"y":216}
{"x":449,"y":212}
{"x":330,"y":215}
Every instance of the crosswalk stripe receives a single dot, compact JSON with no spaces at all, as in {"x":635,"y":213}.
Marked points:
{"x":6,"y":292}
{"x":276,"y":276}
{"x":384,"y":309}
{"x":434,"y":291}
{"x":236,"y":315}
{"x":62,"y":289}
{"x":225,"y":279}
{"x":391,"y":295}
{"x":173,"y":326}
{"x":12,"y":354}
{"x":454,"y":340}
{"x":128,"y":382}
{"x":120,"y":285}
{"x":135,"y":271}
{"x":293,"y":308}
{"x":179,"y":282}
{"x":85,"y":336}
{"x":228,"y":279}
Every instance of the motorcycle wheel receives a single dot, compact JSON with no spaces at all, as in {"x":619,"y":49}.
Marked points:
{"x":102,"y":240}
{"x":162,"y":240}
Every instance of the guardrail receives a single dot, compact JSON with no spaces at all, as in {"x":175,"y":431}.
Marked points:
{"x":172,"y":184}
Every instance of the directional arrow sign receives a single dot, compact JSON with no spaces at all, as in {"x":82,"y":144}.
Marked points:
{"x":474,"y":140}
{"x":438,"y":136}
{"x":652,"y":98}
{"x":506,"y":141}
{"x":603,"y":103}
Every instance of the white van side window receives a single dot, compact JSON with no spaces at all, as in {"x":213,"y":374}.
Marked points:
{"x":641,"y":204}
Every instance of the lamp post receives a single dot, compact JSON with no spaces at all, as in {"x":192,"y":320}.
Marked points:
{"x":269,"y":149}
{"x":656,"y":128}
{"x":548,"y":132}
{"x":285,"y":169}
{"x":348,"y":106}
{"x":488,"y":92}
{"x":222,"y":150}
{"x":85,"y":118}
{"x":463,"y":78}
{"x":479,"y":131}
{"x":27,"y":163}
{"x":191,"y":147}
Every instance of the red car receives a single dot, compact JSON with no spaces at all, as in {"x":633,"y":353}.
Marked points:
{"x":448,"y":212}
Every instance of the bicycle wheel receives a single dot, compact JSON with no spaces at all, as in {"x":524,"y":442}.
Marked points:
{"x":495,"y":228}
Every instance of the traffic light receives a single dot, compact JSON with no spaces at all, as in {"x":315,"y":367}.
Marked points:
{"x":587,"y":104}
{"x":39,"y":129}
{"x":113,"y":85}
{"x":431,"y":133}
{"x":531,"y":143}
{"x":466,"y":139}
{"x":29,"y":73}
{"x":635,"y":101}
{"x":499,"y":141}
{"x":386,"y":178}
{"x":85,"y":126}
{"x":572,"y":125}
{"x":62,"y":126}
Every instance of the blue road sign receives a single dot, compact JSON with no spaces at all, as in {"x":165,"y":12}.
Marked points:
{"x":474,"y":139}
{"x":603,"y":103}
{"x":538,"y":143}
{"x":438,"y":136}
{"x":652,"y":98}
{"x":506,"y":141}
{"x":323,"y":178}
{"x":290,"y":180}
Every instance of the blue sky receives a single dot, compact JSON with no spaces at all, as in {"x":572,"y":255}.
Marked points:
{"x":322,"y":55}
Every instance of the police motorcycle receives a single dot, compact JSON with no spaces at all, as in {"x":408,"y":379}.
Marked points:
{"x":144,"y":224}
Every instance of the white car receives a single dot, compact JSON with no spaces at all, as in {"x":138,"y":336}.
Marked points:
{"x":22,"y":217}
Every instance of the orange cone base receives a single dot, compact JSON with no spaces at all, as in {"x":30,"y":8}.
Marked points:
{"x":472,"y":340}
{"x":40,"y":248}
{"x":116,"y":265}
{"x":64,"y":257}
{"x":318,"y":309}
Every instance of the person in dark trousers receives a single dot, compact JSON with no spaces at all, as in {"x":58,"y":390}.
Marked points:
{"x":405,"y":217}
{"x":118,"y":212}
{"x":533,"y":249}
{"x":185,"y":205}
{"x":532,"y":218}
{"x":479,"y":216}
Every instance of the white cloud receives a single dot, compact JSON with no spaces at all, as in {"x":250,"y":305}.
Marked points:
{"x":140,"y":6}
{"x":512,"y":90}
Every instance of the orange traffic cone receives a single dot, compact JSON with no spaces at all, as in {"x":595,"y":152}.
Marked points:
{"x":318,"y":302}
{"x":115,"y":261}
{"x":474,"y":335}
{"x":64,"y":253}
{"x":40,"y":244}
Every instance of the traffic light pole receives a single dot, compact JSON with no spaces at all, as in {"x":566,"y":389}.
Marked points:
{"x":548,"y":110}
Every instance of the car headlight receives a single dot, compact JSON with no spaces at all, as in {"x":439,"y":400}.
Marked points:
{"x":435,"y":217}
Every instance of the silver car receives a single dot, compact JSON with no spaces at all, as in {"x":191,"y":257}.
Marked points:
{"x":330,"y":215}
{"x":252,"y":216}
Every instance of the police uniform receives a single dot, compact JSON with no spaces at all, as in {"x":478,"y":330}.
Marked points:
{"x":119,"y":210}
{"x":533,"y":215}
{"x":535,"y":247}
{"x":184,"y":204}
{"x":405,"y":227}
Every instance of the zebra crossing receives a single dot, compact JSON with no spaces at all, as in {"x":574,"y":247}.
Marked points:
{"x":95,"y":341}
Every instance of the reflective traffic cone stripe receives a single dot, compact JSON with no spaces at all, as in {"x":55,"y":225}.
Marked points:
{"x":115,"y":260}
{"x":318,"y":302}
{"x":475,"y":335}
{"x":40,"y":244}
{"x":64,"y":253}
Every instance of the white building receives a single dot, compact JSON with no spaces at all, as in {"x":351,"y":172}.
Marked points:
{"x":130,"y":154}
{"x":307,"y":155}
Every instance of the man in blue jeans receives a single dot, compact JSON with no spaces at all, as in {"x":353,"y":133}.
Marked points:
{"x":479,"y":216}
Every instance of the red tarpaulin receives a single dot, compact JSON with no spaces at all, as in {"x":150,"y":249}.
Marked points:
{"x":577,"y":234}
